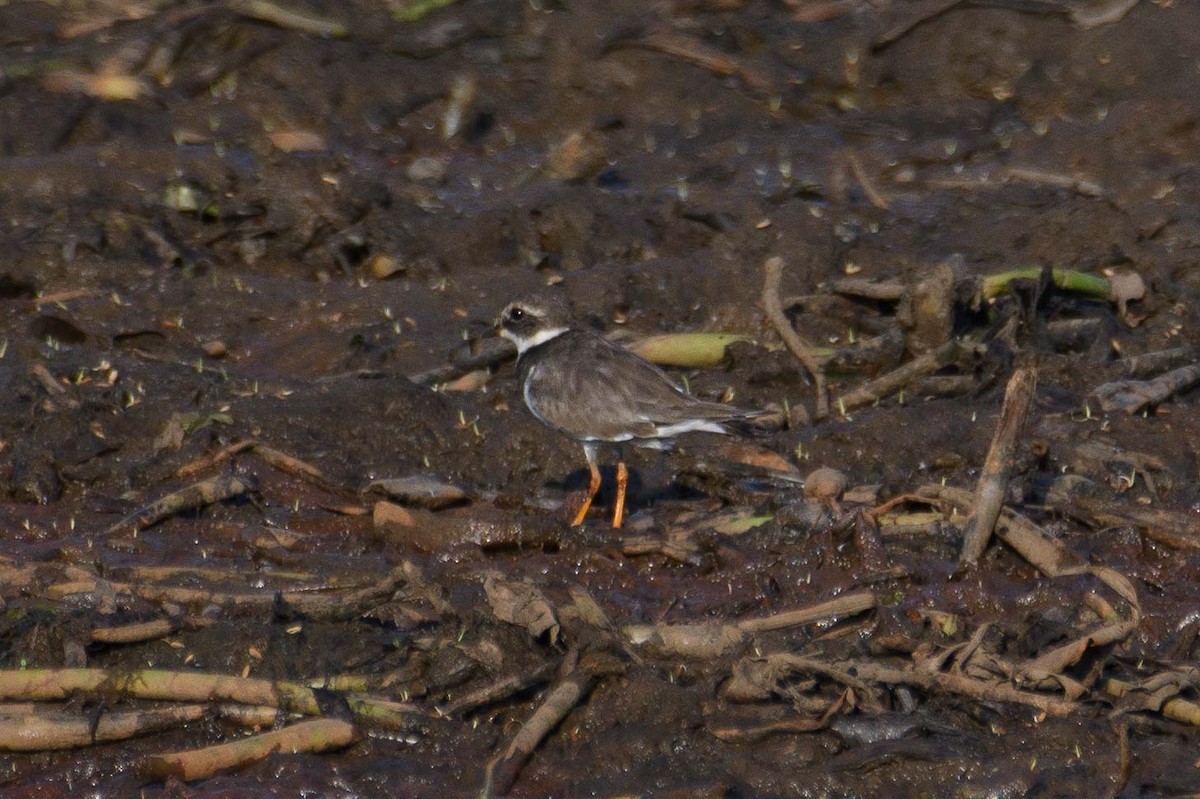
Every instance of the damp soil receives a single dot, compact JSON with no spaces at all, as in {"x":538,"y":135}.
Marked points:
{"x":223,"y":224}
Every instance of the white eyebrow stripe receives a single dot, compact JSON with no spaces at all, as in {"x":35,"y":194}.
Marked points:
{"x":527,"y":343}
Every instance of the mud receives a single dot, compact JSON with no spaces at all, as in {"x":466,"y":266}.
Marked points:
{"x":278,"y":228}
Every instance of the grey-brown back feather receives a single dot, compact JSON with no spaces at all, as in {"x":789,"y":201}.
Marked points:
{"x":589,"y":388}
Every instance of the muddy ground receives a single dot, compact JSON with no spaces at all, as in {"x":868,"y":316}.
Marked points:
{"x":241,"y":223}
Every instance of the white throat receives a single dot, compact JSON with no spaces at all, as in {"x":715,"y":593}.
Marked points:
{"x":527,"y":343}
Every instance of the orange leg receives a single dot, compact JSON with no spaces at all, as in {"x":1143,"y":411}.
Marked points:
{"x":593,"y":487}
{"x":622,"y":481}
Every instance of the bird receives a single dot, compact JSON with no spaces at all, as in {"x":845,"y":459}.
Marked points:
{"x":599,"y":393}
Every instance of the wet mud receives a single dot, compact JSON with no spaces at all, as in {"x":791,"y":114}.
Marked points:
{"x":252,"y":255}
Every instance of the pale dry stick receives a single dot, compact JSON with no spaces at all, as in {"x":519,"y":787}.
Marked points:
{"x":703,"y":641}
{"x":867,"y":288}
{"x":188,"y":573}
{"x":1153,"y":363}
{"x":323,"y":603}
{"x":917,"y":14}
{"x":847,"y":605}
{"x":873,"y":193}
{"x":1054,"y":559}
{"x":730,"y":733}
{"x":695,"y":50}
{"x":780,"y":666}
{"x":686,"y":553}
{"x":328,"y":605}
{"x":47,"y":380}
{"x":293,"y":465}
{"x":1049,"y":556}
{"x":43,"y":730}
{"x":1175,"y":708}
{"x":185,"y":686}
{"x":209,"y":461}
{"x":1170,"y":528}
{"x":874,"y":390}
{"x":317,"y":735}
{"x":949,"y":682}
{"x":497,"y":691}
{"x":992,"y":486}
{"x":1132,"y":396}
{"x":1040,"y":177}
{"x":1061,"y":657}
{"x":503,"y":770}
{"x":288,"y":18}
{"x":271,"y":456}
{"x":1093,"y":15}
{"x":773,"y":306}
{"x":65,"y":296}
{"x":736,"y":734}
{"x":135,"y":633}
{"x":206,"y":492}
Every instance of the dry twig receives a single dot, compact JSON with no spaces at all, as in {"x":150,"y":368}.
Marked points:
{"x":206,"y":492}
{"x":992,"y":487}
{"x":773,"y":305}
{"x":317,"y":735}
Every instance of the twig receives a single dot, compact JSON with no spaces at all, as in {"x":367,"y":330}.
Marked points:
{"x":503,"y":770}
{"x":712,"y":640}
{"x":1132,"y":396}
{"x":318,"y":735}
{"x":293,"y":465}
{"x":1093,"y":15}
{"x":186,"y":686}
{"x":209,"y":461}
{"x":692,"y":49}
{"x":1170,"y":528}
{"x":206,"y":492}
{"x":42,"y":730}
{"x":288,"y":18}
{"x":876,"y":197}
{"x":1153,"y":363}
{"x":497,"y":691}
{"x":1176,"y":708}
{"x":961,"y":684}
{"x":881,"y":290}
{"x":848,"y":605}
{"x":918,"y":14}
{"x":135,"y":633}
{"x":773,"y":267}
{"x":992,"y":487}
{"x":320,"y":603}
{"x":1040,"y":177}
{"x":488,"y":352}
{"x":49,"y":383}
{"x":874,"y":390}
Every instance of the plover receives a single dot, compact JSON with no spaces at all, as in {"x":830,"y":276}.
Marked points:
{"x":598,"y":393}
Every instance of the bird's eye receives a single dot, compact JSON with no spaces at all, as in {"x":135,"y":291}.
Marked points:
{"x":516,"y":315}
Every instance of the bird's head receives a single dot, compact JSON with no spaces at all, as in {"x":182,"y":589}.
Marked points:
{"x":534,"y":320}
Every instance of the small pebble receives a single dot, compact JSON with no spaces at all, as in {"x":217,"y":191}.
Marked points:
{"x":825,"y":485}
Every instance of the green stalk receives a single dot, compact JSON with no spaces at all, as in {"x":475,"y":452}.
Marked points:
{"x":1066,"y":279}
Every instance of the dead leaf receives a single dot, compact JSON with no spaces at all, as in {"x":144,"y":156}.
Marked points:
{"x":298,"y":141}
{"x":522,"y":604}
{"x":421,"y":492}
{"x":104,"y":87}
{"x":171,"y":436}
{"x":760,"y":457}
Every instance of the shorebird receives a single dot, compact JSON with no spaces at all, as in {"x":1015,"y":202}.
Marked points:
{"x":598,"y":393}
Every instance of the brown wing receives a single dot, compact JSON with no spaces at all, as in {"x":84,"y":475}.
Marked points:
{"x":591,"y":389}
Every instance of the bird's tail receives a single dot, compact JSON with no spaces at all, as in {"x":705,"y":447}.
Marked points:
{"x":755,"y":424}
